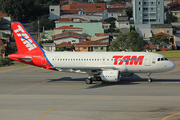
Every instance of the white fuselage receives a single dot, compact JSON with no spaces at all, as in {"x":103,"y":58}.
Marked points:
{"x":123,"y":61}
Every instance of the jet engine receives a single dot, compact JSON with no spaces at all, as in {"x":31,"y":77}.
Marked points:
{"x":109,"y":75}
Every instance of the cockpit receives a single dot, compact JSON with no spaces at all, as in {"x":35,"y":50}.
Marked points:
{"x":162,"y":59}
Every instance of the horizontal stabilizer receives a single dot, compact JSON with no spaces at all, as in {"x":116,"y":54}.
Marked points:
{"x":27,"y":58}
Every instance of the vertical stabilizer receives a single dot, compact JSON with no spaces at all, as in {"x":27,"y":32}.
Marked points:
{"x":24,"y":41}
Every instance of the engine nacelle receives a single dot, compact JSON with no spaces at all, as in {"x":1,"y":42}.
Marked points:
{"x":110,"y":75}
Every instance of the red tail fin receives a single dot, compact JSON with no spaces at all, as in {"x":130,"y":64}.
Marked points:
{"x":24,"y":41}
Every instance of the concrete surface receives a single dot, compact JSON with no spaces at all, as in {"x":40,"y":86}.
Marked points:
{"x":31,"y":93}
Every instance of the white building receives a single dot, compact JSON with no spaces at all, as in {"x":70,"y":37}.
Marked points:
{"x":148,"y":11}
{"x":54,"y":11}
{"x":122,"y":22}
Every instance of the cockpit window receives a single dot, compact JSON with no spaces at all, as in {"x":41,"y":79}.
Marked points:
{"x":165,"y":58}
{"x":162,"y":59}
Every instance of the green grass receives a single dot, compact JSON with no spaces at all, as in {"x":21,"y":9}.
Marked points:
{"x":12,"y":64}
{"x":170,"y":54}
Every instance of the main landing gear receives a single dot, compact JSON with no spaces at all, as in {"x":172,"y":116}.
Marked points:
{"x":149,"y":78}
{"x":89,"y":81}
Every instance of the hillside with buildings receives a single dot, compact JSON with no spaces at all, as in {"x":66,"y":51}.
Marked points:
{"x":89,"y":26}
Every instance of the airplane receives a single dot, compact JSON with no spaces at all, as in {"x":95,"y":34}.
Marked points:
{"x":104,"y":66}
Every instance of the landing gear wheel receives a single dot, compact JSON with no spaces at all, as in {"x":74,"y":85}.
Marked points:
{"x":149,"y":77}
{"x":89,"y":81}
{"x":149,"y":80}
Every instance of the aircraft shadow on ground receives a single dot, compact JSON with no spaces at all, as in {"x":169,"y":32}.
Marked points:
{"x":67,"y":79}
{"x":124,"y":81}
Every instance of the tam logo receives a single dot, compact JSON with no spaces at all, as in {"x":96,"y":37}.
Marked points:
{"x":25,"y":38}
{"x":129,"y":60}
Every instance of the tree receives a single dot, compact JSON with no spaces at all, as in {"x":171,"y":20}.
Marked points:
{"x":130,"y":41}
{"x":113,"y":30}
{"x":61,"y":49}
{"x":171,"y":18}
{"x":47,"y":41}
{"x":160,"y":40}
{"x":111,"y":20}
{"x":44,"y":21}
{"x":19,"y":10}
{"x":129,"y":12}
{"x":132,"y":28}
{"x":47,"y":2}
{"x":119,"y":1}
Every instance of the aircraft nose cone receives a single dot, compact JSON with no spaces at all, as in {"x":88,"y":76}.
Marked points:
{"x":172,"y":65}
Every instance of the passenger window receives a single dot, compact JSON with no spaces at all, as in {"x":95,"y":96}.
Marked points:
{"x":158,"y":59}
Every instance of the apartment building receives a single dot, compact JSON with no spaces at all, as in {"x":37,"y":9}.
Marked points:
{"x":148,"y":11}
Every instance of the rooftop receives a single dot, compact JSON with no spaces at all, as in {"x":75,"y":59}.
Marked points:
{"x":85,"y":7}
{"x":164,"y":49}
{"x":68,"y":34}
{"x":101,"y":34}
{"x":103,"y":39}
{"x":125,"y":29}
{"x":67,"y":27}
{"x":103,"y":22}
{"x":71,"y":19}
{"x":116,"y":10}
{"x":174,"y":3}
{"x":91,"y":43}
{"x":149,"y":46}
{"x":164,"y":34}
{"x":64,"y":44}
{"x":117,"y":4}
{"x":2,"y":14}
{"x":1,"y":42}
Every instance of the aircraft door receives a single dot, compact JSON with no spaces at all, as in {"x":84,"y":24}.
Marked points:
{"x":148,"y":60}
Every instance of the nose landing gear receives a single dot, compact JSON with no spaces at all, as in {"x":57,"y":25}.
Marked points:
{"x":149,"y":78}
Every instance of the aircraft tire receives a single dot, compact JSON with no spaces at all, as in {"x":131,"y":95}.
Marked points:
{"x":149,"y":80}
{"x":89,"y":81}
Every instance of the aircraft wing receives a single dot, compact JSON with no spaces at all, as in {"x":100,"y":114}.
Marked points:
{"x":84,"y":69}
